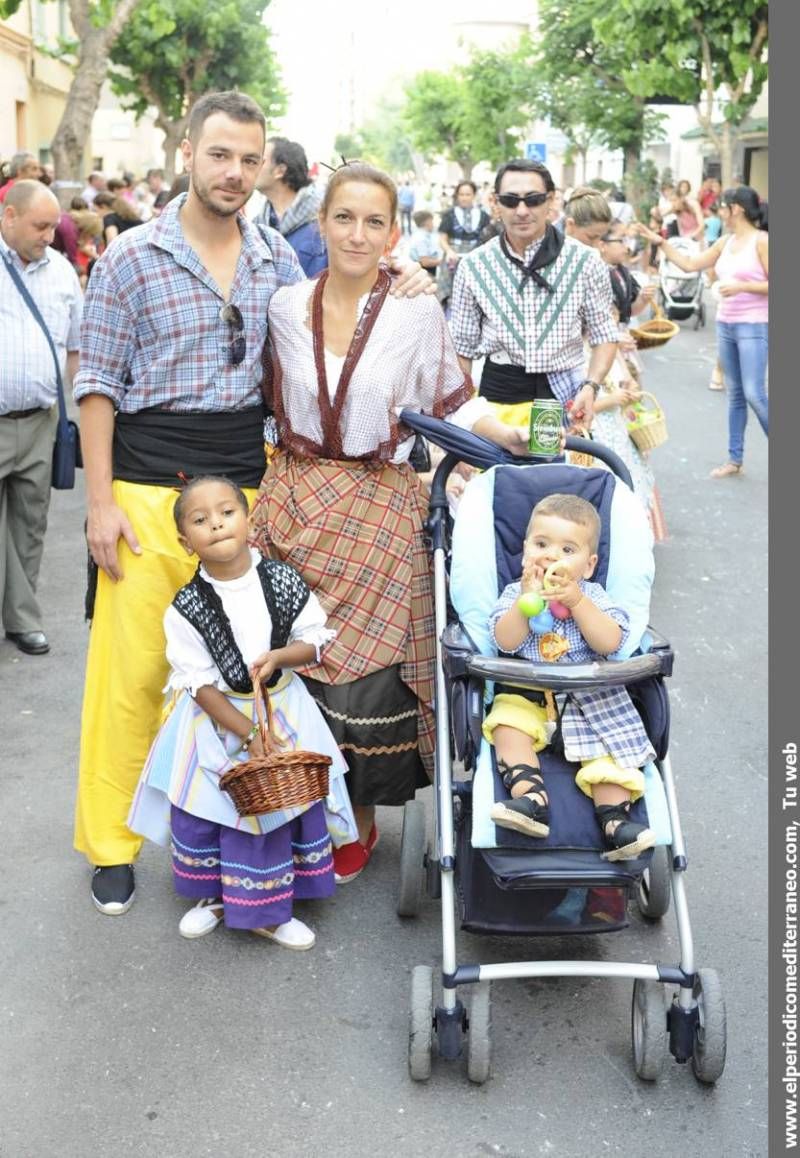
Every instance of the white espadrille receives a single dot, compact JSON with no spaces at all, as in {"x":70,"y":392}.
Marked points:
{"x":202,"y":919}
{"x":292,"y":934}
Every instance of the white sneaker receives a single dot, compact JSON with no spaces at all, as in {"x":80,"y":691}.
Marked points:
{"x":202,"y":919}
{"x":291,"y":935}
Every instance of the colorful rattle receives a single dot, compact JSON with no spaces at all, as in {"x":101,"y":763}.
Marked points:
{"x":541,"y":610}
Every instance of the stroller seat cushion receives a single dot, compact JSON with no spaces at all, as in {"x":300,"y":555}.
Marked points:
{"x":572,"y":819}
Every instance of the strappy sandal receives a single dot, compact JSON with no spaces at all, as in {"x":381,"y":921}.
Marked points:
{"x":717,"y":381}
{"x":525,"y":814}
{"x":628,"y":838}
{"x":726,"y":470}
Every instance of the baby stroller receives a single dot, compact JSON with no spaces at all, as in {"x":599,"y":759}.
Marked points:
{"x":505,"y":883}
{"x":681,"y":293}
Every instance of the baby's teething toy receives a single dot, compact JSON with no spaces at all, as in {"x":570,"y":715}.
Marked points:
{"x":541,"y":610}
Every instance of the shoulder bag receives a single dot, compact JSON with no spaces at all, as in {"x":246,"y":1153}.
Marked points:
{"x":67,"y":446}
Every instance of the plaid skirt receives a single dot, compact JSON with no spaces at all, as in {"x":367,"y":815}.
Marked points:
{"x":354,"y":532}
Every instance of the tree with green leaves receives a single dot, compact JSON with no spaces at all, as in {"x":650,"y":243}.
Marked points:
{"x":435,"y":116}
{"x":573,"y":60}
{"x":383,"y":140}
{"x":97,"y":25}
{"x":478,"y":111}
{"x":709,"y":53}
{"x":175,"y":51}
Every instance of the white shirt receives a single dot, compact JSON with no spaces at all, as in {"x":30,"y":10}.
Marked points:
{"x":465,"y":417}
{"x":27,"y":370}
{"x":190,"y":661}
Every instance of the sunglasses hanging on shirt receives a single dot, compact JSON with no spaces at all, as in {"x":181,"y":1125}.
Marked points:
{"x":232,"y":316}
{"x":512,"y":200}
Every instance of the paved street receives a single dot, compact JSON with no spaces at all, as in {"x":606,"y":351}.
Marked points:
{"x":120,"y":1038}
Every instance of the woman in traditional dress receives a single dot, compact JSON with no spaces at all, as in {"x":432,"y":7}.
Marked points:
{"x":340,"y":502}
{"x":460,"y":230}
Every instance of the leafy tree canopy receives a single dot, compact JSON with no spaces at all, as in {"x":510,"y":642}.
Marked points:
{"x":476,"y":112}
{"x":174,"y":51}
{"x":691,"y":44}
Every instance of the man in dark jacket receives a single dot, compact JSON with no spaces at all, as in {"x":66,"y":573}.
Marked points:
{"x":292,"y":205}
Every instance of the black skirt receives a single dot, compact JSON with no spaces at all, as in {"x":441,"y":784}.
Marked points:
{"x":374,"y":722}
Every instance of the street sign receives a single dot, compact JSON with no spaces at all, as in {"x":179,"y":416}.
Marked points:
{"x":536,"y":151}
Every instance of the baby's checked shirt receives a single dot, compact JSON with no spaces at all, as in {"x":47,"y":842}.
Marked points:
{"x":601,"y":723}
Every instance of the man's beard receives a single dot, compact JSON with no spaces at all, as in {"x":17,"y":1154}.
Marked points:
{"x":203,"y":196}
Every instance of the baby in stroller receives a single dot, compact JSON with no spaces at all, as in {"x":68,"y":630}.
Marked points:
{"x":600,"y":728}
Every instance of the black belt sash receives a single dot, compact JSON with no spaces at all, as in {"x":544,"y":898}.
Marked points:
{"x":157,"y":447}
{"x":510,"y":384}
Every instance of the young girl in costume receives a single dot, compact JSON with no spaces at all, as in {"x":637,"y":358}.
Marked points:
{"x":240,"y":621}
{"x":621,"y":386}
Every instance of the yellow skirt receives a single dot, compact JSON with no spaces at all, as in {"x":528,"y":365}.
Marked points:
{"x":126,"y":669}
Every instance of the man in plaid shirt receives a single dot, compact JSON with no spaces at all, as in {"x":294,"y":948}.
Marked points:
{"x":174,"y":326}
{"x":526,"y":299}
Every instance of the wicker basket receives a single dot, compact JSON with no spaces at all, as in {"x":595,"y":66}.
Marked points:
{"x":577,"y":457}
{"x":276,"y":780}
{"x":647,"y":427}
{"x":656,"y":332}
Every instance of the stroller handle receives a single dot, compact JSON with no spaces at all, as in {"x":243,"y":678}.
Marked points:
{"x":566,"y":678}
{"x":464,"y":446}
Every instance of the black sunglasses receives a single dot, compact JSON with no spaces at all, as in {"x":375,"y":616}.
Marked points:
{"x":232,"y":316}
{"x":512,"y":200}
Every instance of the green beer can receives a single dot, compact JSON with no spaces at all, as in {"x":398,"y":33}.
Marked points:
{"x":547,"y":418}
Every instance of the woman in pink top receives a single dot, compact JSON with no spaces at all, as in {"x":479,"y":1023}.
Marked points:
{"x":741,"y":262}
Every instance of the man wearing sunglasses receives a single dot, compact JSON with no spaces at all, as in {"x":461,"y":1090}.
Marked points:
{"x":525,"y":301}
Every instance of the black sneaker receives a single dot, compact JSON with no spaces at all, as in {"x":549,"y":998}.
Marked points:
{"x":113,"y":889}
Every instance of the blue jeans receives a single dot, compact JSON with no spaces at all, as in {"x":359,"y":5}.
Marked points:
{"x":743,"y":351}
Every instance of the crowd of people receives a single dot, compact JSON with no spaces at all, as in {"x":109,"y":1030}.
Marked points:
{"x":244,"y":293}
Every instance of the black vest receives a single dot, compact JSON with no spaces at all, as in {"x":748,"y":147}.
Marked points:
{"x":285,"y":593}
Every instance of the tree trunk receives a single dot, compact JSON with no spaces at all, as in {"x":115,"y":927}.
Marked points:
{"x":75,"y":126}
{"x":726,"y":143}
{"x":174,"y":132}
{"x":631,"y":161}
{"x":584,"y":163}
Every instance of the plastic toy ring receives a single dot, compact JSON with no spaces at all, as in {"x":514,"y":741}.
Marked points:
{"x":549,"y":582}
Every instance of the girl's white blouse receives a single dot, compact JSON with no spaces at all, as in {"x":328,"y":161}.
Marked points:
{"x":243,"y":599}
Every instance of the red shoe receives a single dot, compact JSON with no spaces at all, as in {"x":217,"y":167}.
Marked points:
{"x":606,"y":904}
{"x":350,"y":860}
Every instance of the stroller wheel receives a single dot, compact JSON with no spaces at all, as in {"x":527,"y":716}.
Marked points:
{"x":420,"y":1030}
{"x":479,"y":1034}
{"x":412,"y":859}
{"x":710,"y":1035}
{"x":653,"y":894}
{"x":648,"y":1029}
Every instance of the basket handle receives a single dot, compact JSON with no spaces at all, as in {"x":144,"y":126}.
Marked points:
{"x":652,"y":397}
{"x":264,"y":717}
{"x":659,"y":313}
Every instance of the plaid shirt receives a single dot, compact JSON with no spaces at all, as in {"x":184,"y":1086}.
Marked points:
{"x":602,"y":723}
{"x":540,"y":331}
{"x":27,"y":370}
{"x":152,"y":335}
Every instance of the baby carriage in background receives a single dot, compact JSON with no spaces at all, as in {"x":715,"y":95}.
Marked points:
{"x":681,"y":293}
{"x":502,"y":882}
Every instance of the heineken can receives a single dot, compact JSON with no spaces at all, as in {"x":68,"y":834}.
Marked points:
{"x":547,"y":418}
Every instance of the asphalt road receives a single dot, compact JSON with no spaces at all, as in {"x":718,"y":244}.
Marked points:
{"x":120,"y":1038}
